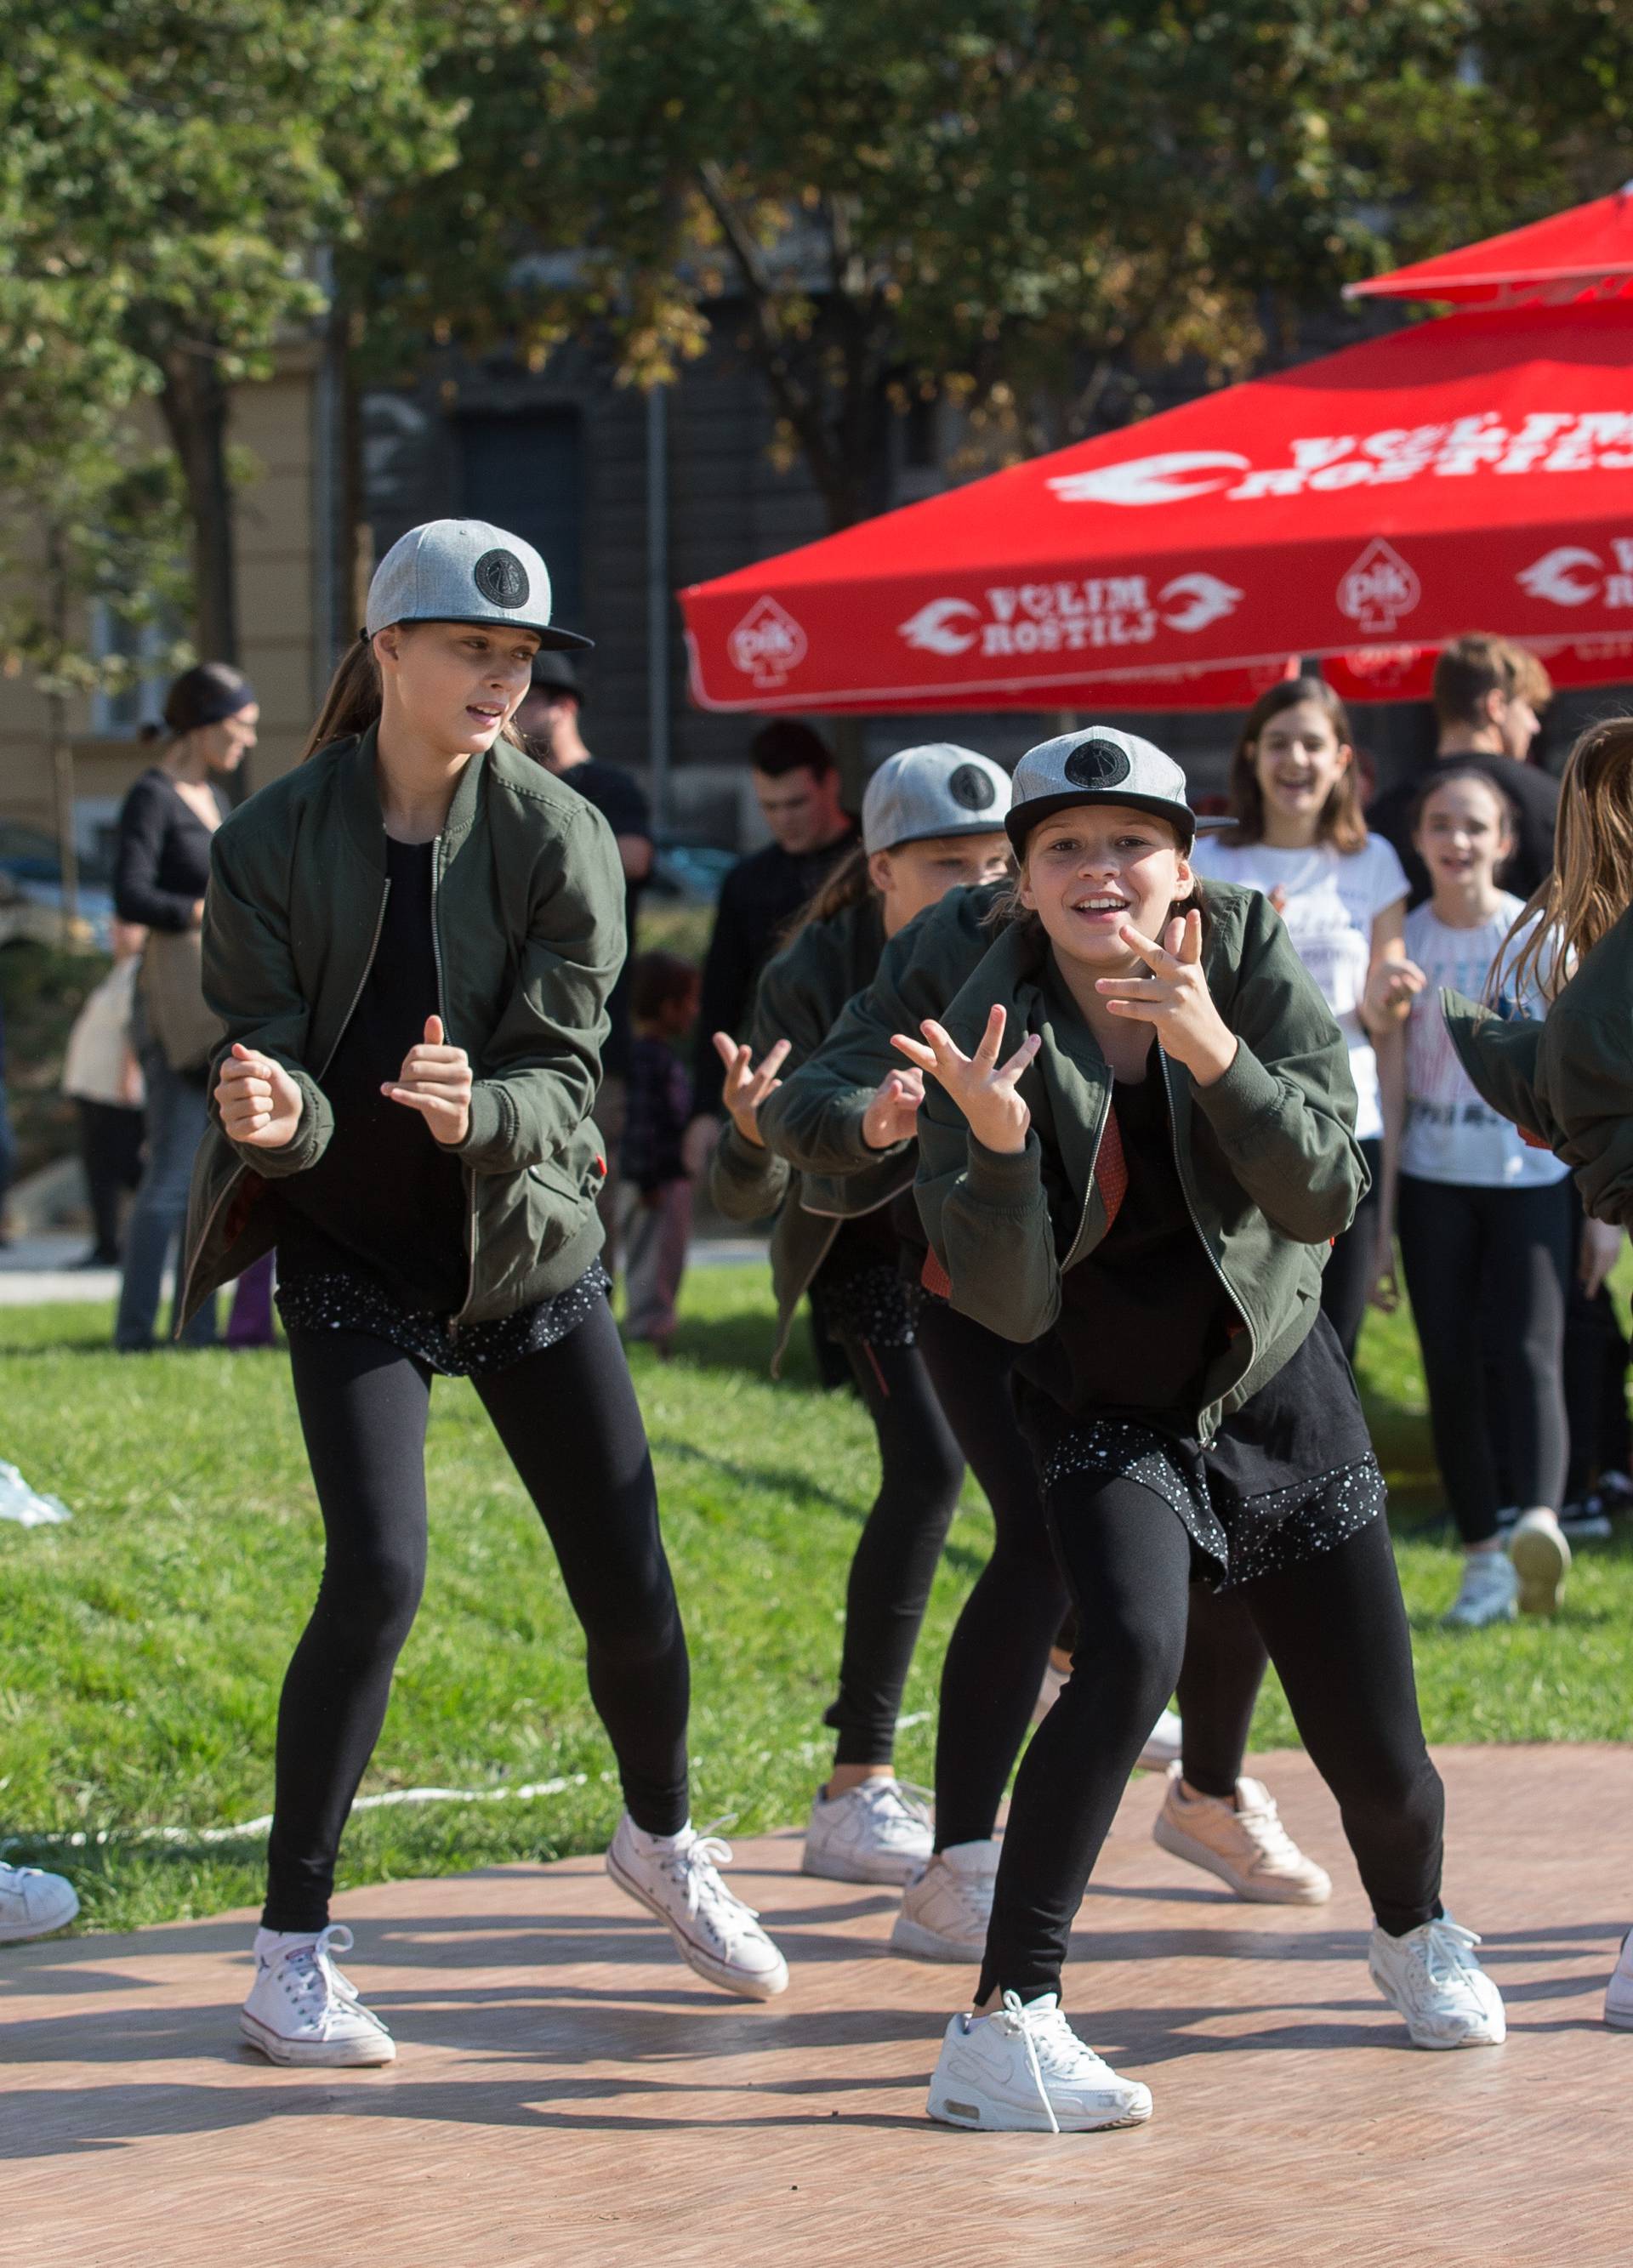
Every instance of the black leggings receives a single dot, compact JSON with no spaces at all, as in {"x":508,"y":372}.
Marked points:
{"x":1596,"y":1378}
{"x":921,"y":1474}
{"x":1473,"y":1255}
{"x":1335,"y":1628}
{"x":1348,"y":1277}
{"x":1000,"y":1646}
{"x":572,"y":1427}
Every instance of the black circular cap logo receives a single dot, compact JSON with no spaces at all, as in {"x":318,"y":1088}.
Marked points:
{"x":1097,"y":763}
{"x":970,"y":787}
{"x":501,"y":578}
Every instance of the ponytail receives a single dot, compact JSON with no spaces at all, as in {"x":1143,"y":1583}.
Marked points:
{"x":354,"y":700}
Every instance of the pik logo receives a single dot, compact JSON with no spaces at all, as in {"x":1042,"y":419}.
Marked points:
{"x":1378,"y":589}
{"x":1570,"y":576}
{"x":767,"y":643}
{"x":1071,"y":617}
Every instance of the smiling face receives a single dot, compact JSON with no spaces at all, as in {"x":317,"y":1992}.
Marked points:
{"x":1095,"y":866}
{"x":918,"y":875}
{"x":1299,"y":761}
{"x":453,"y":685}
{"x":1464,"y":835}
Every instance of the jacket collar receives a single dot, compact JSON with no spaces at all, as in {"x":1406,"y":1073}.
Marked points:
{"x":359,"y":799}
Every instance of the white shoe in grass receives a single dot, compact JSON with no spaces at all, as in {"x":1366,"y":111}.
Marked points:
{"x":878,"y":1831}
{"x":303,"y":2008}
{"x":1022,"y":2070}
{"x":1431,"y":1978}
{"x":33,"y":1903}
{"x":678,"y":1878}
{"x":945,"y":1913}
{"x":1244,"y":1843}
{"x":1488,"y":1593}
{"x":1542,"y":1558}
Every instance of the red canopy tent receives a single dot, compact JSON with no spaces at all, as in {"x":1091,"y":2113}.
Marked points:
{"x":1473,"y":473}
{"x":1584,"y":253}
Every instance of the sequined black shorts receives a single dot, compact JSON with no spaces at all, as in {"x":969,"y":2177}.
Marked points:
{"x":338,"y":1299}
{"x":876,"y":1304}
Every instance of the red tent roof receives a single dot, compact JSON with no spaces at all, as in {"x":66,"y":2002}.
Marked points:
{"x":1475,"y":473}
{"x":1570,"y":255}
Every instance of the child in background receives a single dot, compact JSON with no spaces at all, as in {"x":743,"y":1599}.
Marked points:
{"x":663,"y":1001}
{"x":103,"y":1079}
{"x":1486,"y":1223}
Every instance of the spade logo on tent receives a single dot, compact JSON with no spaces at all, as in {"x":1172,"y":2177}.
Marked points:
{"x":767,"y":643}
{"x":1378,"y":589}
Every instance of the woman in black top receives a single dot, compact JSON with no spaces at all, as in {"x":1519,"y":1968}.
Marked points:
{"x":161,"y":865}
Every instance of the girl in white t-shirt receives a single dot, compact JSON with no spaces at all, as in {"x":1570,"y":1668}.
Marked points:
{"x":1297,"y":834}
{"x":1486,"y":1225}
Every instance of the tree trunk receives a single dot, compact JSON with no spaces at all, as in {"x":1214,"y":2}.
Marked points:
{"x":62,"y":746}
{"x":194,"y":400}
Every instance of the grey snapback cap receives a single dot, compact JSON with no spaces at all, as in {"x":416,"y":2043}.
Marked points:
{"x":464,"y":571}
{"x":939,"y":789}
{"x":1097,"y":765}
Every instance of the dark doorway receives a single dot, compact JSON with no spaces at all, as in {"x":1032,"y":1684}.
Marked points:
{"x":525,"y":470}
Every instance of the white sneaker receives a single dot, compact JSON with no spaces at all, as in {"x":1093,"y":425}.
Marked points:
{"x":945,"y":1913}
{"x":1431,"y":1978}
{"x":1161,"y":1748}
{"x":876,"y":1832}
{"x":302,"y":2008}
{"x":1488,"y":1593}
{"x":1618,"y":1991}
{"x":1023,"y":2070}
{"x":1244,"y":1843}
{"x":1542,"y":1558}
{"x":678,"y":1878}
{"x":33,"y":1903}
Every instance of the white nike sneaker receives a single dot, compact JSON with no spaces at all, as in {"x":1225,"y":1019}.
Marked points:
{"x":945,"y":1913}
{"x":1542,"y":1558}
{"x":1431,"y":1978}
{"x":1618,"y":1991}
{"x":1244,"y":1843}
{"x":33,"y":1903}
{"x":1022,"y":2070}
{"x":303,"y":2009}
{"x":876,"y":1832}
{"x":678,"y":1878}
{"x":1162,"y":1746}
{"x":1488,"y":1593}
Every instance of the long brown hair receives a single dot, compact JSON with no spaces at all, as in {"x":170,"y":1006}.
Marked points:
{"x":354,"y":700}
{"x":1341,"y":823}
{"x":1591,"y":886}
{"x":848,"y":884}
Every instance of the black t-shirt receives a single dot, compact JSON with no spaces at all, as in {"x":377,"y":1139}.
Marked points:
{"x":1145,"y":1313}
{"x":616,"y":795}
{"x":385,"y":1198}
{"x":162,"y":862}
{"x":1533,"y":793}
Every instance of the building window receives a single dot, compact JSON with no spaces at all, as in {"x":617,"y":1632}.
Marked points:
{"x":524,"y":470}
{"x":140,"y":699}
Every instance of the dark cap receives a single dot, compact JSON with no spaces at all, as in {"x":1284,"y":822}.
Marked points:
{"x":553,"y":673}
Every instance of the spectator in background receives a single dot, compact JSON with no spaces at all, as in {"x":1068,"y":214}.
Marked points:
{"x":161,"y":865}
{"x":797,"y":788}
{"x":658,"y":1201}
{"x":1488,"y":699}
{"x":103,"y":1079}
{"x":549,"y":721}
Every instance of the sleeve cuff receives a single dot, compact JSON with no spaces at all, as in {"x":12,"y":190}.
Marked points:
{"x":1240,"y":1097}
{"x":1007,"y":1180}
{"x":491,"y":1135}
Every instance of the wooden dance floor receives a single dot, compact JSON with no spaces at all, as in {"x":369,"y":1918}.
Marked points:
{"x":566,"y":2093}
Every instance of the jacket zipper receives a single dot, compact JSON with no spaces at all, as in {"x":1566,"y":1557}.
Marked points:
{"x":470,"y":1179}
{"x":1173,"y":1130}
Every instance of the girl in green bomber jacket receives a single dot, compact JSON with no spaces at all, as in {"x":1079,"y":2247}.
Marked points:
{"x":410,"y":939}
{"x":931,"y":819}
{"x":1567,"y":1080}
{"x":1142,"y":1195}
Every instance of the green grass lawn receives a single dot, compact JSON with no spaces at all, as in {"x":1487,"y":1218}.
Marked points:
{"x":141,"y":1646}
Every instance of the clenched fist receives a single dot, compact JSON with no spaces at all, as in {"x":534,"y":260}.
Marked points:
{"x":259,"y":1102}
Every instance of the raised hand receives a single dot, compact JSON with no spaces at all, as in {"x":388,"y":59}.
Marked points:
{"x":259,"y":1102}
{"x":893,"y":1116}
{"x":746,"y":1088}
{"x":982,"y":1088}
{"x":435,"y":1080}
{"x":1175,"y":998}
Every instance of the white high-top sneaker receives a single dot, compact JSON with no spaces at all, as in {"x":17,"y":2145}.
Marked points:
{"x":1542,"y":1558}
{"x":1431,"y":1977}
{"x":1618,"y":1991}
{"x":1022,"y":2070}
{"x":678,"y":1878}
{"x":1244,"y":1843}
{"x":944,"y":1914}
{"x":303,"y":2009}
{"x":878,"y":1831}
{"x":33,"y":1903}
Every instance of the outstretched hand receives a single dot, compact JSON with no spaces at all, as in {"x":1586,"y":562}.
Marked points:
{"x":1174,"y":996}
{"x":259,"y":1102}
{"x":436,"y":1079}
{"x":745,"y":1087}
{"x":983,"y":1088}
{"x":892,"y":1116}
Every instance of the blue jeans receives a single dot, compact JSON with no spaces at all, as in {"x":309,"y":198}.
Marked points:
{"x":176,"y":1118}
